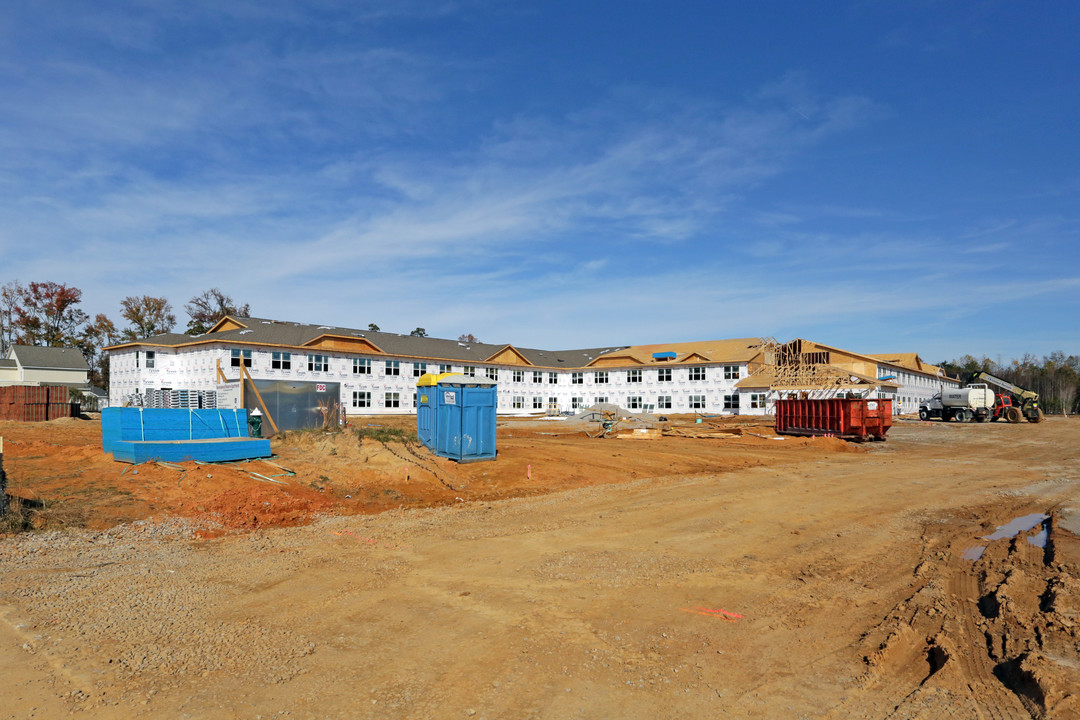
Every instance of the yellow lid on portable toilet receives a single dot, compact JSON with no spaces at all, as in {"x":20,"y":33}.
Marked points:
{"x":431,"y":379}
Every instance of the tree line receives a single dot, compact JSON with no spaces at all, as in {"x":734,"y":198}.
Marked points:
{"x":48,"y":314}
{"x":1056,"y":377}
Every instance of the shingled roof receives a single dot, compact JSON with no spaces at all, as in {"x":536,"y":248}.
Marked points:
{"x":735,"y":350}
{"x":909,"y":360}
{"x":303,"y":336}
{"x":49,"y":358}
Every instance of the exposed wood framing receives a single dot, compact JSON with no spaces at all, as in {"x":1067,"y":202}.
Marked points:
{"x":787,"y":367}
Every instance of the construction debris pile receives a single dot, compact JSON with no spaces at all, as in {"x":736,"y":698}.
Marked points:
{"x":615,"y":421}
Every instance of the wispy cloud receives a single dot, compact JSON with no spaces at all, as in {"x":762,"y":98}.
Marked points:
{"x":318,"y":158}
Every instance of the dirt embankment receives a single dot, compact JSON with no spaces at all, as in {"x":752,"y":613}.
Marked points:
{"x":64,"y":479}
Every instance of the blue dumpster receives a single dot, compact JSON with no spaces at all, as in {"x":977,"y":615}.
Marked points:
{"x":455,"y":416}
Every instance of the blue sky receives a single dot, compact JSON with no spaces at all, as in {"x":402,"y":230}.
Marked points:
{"x":882,"y":176}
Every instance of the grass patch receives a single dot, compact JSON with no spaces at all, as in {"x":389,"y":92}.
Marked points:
{"x":17,"y":518}
{"x":25,"y":514}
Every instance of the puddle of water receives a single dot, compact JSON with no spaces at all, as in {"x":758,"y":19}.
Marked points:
{"x":973,"y":553}
{"x":1016,"y":526}
{"x":1011,"y":529}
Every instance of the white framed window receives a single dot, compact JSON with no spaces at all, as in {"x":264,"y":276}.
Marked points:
{"x":633,"y":376}
{"x":731,"y":402}
{"x":663,"y":402}
{"x":697,"y":374}
{"x":553,"y":378}
{"x":634,"y":402}
{"x":697,"y":402}
{"x":492,"y":373}
{"x":414,"y":400}
{"x":663,"y":375}
{"x":519,"y":402}
{"x":600,"y":377}
{"x":392,"y":400}
{"x":576,"y":403}
{"x":280,"y":361}
{"x":318,"y":363}
{"x":445,"y":369}
{"x":553,"y":402}
{"x":519,"y":376}
{"x":469,"y":371}
{"x":241,"y":356}
{"x":577,"y":378}
{"x":419,"y":369}
{"x":537,"y":377}
{"x":600,"y":399}
{"x":731,"y":372}
{"x":151,"y":356}
{"x":393,"y":367}
{"x":361,"y":366}
{"x":538,"y":403}
{"x":757,"y":401}
{"x":361,"y":399}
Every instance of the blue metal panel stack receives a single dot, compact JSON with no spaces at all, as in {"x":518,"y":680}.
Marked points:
{"x":142,"y":434}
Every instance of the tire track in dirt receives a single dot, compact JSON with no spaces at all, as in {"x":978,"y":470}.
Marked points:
{"x":983,"y":639}
{"x":993,"y":699}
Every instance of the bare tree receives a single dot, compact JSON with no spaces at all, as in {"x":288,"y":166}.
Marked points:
{"x":208,"y":308}
{"x":97,"y":335}
{"x":9,"y":300}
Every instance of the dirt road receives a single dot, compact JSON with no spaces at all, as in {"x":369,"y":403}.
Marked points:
{"x":805,"y":582}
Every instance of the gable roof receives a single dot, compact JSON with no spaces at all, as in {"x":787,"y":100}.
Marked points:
{"x":49,"y":358}
{"x":909,"y":360}
{"x":306,"y":338}
{"x":735,"y":350}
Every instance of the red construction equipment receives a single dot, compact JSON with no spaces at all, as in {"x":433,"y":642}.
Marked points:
{"x":848,"y":418}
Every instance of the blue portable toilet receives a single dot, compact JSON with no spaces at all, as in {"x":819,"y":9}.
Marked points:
{"x":455,"y":416}
{"x":425,"y":409}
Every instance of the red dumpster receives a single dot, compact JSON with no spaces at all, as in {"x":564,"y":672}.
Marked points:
{"x":850,"y":419}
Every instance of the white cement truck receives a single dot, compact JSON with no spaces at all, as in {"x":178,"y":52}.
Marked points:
{"x":975,"y":402}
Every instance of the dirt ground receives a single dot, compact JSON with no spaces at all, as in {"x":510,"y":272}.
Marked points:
{"x":571,"y":578}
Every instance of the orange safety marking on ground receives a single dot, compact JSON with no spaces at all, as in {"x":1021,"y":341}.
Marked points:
{"x":370,"y":541}
{"x":718,"y":610}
